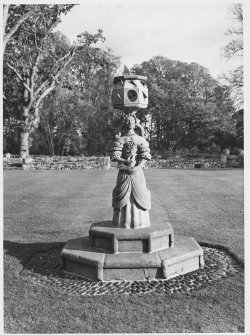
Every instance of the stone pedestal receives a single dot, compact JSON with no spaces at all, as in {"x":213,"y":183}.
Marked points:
{"x":110,"y":253}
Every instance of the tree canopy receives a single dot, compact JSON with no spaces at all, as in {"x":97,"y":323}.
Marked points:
{"x":57,"y":95}
{"x":234,"y":50}
{"x":187,"y":106}
{"x":37,"y":57}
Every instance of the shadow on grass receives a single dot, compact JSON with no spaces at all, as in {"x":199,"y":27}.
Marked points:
{"x":223,"y":248}
{"x":25,"y":251}
{"x":41,"y":258}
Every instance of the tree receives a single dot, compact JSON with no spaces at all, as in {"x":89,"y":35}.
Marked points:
{"x":234,"y":50}
{"x":38,"y":61}
{"x":235,"y":46}
{"x":16,"y":15}
{"x":78,"y":117}
{"x":94,"y":72}
{"x":186,"y":104}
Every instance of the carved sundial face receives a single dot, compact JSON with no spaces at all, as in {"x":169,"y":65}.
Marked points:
{"x":132,"y":95}
{"x":130,"y":91}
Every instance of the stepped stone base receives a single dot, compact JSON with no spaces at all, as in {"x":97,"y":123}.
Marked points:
{"x":106,"y":237}
{"x":103,"y":263}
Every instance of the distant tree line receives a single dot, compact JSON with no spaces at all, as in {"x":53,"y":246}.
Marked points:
{"x":57,"y":95}
{"x":188,"y":108}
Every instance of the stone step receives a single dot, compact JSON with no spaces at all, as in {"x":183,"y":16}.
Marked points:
{"x":104,"y":236}
{"x":80,"y":258}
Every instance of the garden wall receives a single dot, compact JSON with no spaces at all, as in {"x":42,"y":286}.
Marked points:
{"x":79,"y":163}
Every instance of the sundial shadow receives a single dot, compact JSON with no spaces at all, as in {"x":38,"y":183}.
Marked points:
{"x":42,"y":258}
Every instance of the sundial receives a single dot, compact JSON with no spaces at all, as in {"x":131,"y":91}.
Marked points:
{"x":133,"y":245}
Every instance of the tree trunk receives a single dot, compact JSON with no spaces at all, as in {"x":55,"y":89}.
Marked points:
{"x":63,"y":149}
{"x":49,"y":137}
{"x":5,"y":17}
{"x":158,"y":136}
{"x":52,"y":150}
{"x":24,"y":144}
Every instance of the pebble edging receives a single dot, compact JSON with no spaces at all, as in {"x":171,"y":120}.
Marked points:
{"x":44,"y":268}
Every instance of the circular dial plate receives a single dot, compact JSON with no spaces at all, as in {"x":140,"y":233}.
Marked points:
{"x":132,"y":95}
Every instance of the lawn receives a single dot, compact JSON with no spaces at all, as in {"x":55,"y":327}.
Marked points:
{"x":41,"y":207}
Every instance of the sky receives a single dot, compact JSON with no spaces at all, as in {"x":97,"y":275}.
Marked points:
{"x":136,"y":31}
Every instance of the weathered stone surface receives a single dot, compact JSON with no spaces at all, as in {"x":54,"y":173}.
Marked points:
{"x":133,"y":246}
{"x":132,"y":260}
{"x":104,"y":236}
{"x":185,"y":257}
{"x":131,"y":274}
{"x":79,"y":258}
{"x":84,"y":260}
{"x":185,"y":247}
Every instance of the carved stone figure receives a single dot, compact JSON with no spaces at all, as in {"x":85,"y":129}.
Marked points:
{"x":131,"y":198}
{"x":112,"y":252}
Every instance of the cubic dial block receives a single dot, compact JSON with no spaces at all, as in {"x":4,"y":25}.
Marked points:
{"x":130,"y":92}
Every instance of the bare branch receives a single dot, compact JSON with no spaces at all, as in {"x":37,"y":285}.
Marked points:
{"x":34,"y":69}
{"x":45,"y":93}
{"x":16,"y":72}
{"x":5,"y":15}
{"x":36,"y":40}
{"x":55,"y":77}
{"x":234,"y":32}
{"x":19,"y":76}
{"x":41,"y":87}
{"x":18,"y":23}
{"x":32,"y":75}
{"x":70,"y":53}
{"x":51,"y":27}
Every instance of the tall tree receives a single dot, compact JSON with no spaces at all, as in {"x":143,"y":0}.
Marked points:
{"x":78,"y":116}
{"x":184,"y":107}
{"x":38,"y":61}
{"x":234,"y":50}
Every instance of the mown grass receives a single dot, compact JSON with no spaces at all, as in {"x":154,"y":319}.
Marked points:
{"x":54,"y":206}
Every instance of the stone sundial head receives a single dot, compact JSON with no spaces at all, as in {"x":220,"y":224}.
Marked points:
{"x":130,"y":92}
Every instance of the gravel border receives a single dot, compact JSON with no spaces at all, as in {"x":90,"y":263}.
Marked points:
{"x":44,"y":268}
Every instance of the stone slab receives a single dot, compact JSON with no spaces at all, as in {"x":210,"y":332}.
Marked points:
{"x":78,"y":257}
{"x":185,"y":247}
{"x":186,"y":256}
{"x":133,"y":246}
{"x":132,"y":260}
{"x":82,"y":259}
{"x":132,"y":274}
{"x":106,"y":229}
{"x":84,"y":270}
{"x":180,"y":268}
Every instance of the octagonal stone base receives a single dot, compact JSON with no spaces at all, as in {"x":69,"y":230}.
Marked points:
{"x":104,"y":236}
{"x":80,"y":258}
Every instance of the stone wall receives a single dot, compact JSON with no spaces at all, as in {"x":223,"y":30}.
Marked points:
{"x":79,"y":163}
{"x":192,"y":163}
{"x":57,"y":163}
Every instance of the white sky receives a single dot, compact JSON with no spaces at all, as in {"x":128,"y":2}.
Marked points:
{"x":189,"y":32}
